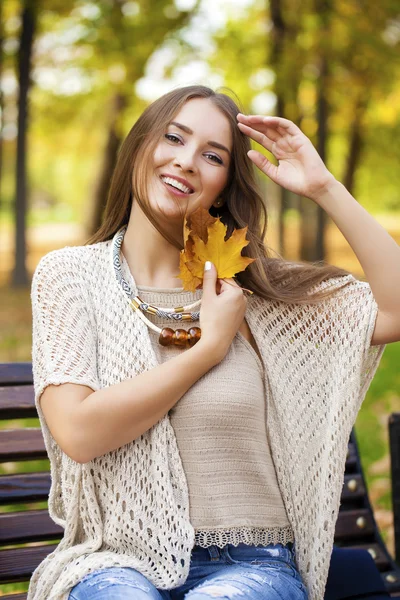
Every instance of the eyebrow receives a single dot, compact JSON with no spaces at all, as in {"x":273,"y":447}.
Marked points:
{"x":210,"y":142}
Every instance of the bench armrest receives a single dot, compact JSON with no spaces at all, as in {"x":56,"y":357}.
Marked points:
{"x":394,"y":442}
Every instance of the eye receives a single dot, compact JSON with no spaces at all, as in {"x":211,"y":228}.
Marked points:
{"x":171,"y":135}
{"x":217,"y":159}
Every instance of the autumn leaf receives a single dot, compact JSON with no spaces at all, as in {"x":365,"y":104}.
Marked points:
{"x":204,"y":239}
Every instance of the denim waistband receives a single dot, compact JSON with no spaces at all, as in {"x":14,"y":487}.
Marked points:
{"x":214,"y":552}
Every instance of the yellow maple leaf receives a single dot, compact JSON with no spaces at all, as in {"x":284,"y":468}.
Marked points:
{"x":204,"y":239}
{"x":189,"y":281}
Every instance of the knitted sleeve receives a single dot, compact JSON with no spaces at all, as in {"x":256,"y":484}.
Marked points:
{"x":63,"y":326}
{"x":350,"y":317}
{"x":370,"y":355}
{"x":342,"y":329}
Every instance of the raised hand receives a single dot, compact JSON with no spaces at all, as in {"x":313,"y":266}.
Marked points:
{"x":301,"y":169}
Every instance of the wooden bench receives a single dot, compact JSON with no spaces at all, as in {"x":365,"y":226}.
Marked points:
{"x":23,"y":534}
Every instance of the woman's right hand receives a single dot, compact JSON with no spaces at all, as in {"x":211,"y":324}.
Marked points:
{"x":221,"y":313}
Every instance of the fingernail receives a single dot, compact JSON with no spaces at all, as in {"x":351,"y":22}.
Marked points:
{"x":207,"y":265}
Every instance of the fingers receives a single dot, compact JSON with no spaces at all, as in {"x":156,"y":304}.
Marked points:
{"x":263,"y":164}
{"x":275,"y":123}
{"x":266,"y":140}
{"x":270,"y":133}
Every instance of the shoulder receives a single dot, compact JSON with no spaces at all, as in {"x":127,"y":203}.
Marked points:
{"x":60,"y":257}
{"x":346,"y":287}
{"x":337,"y":291}
{"x":70,"y":266}
{"x":73,"y":258}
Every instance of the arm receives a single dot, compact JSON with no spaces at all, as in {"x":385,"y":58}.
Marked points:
{"x":378,"y":253}
{"x":87,"y":424}
{"x":302,"y":171}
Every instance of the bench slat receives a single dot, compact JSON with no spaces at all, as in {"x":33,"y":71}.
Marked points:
{"x":24,"y":487}
{"x":22,"y":444}
{"x":28,"y":526}
{"x":17,"y":402}
{"x":354,"y":524}
{"x":353,"y":487}
{"x":392,"y":581}
{"x":18,"y":564}
{"x":351,"y":458}
{"x":16,"y":373}
{"x":377,"y":553}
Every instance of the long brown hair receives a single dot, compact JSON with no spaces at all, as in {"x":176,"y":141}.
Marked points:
{"x":270,"y":277}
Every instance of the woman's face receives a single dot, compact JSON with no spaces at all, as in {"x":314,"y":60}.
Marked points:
{"x":196,"y":148}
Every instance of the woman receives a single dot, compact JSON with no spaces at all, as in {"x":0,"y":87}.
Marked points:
{"x":213,"y":470}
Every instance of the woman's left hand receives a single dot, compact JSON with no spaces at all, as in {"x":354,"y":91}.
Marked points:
{"x":300,"y":169}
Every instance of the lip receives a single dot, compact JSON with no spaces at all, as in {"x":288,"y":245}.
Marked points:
{"x":180,"y":179}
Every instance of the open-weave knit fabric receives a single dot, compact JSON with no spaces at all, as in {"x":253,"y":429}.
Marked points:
{"x":130,"y":507}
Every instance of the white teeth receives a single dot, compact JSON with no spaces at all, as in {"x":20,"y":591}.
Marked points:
{"x":177,"y":184}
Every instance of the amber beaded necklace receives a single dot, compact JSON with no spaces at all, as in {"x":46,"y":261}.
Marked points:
{"x":167,"y":336}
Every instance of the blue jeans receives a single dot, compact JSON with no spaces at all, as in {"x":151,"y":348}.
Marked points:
{"x":240,"y":572}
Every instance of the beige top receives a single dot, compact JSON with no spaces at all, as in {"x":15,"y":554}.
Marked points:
{"x":221,"y":433}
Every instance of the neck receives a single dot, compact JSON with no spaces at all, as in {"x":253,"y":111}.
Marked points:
{"x":152,"y":260}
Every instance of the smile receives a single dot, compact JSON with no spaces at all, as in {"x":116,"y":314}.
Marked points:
{"x":176,"y":186}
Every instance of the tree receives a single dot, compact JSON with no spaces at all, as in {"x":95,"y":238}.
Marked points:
{"x":29,"y":14}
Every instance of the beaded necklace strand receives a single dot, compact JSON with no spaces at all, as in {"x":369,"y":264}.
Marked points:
{"x":167,"y":336}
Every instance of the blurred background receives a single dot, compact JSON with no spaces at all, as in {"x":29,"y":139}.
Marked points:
{"x":75,"y":75}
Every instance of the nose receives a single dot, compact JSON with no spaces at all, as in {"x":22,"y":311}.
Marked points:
{"x":186,"y":160}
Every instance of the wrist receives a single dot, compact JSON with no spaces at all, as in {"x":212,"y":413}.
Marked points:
{"x":213,"y":353}
{"x":326,"y":191}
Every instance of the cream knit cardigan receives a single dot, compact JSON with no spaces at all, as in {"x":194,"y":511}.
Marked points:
{"x":130,"y":507}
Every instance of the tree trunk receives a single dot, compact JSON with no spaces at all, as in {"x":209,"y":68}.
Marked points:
{"x":356,"y":142}
{"x":278,"y":36}
{"x":323,"y":111}
{"x":109,"y":159}
{"x":19,"y":276}
{"x":314,"y":218}
{"x":284,"y":34}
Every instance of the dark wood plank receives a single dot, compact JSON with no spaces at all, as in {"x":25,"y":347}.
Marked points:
{"x":394,"y":444}
{"x":28,"y":526}
{"x":16,"y":373}
{"x":18,"y":564}
{"x":392,"y":580}
{"x":21,"y":444}
{"x":351,"y":458}
{"x":15,"y":597}
{"x":17,"y":402}
{"x":381,"y":560}
{"x":353,"y":524}
{"x":24,"y":487}
{"x":353,"y":487}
